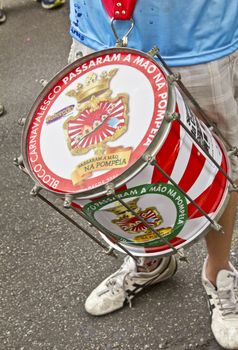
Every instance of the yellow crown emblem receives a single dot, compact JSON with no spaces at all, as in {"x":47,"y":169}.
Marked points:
{"x":93,"y":86}
{"x":119,"y":209}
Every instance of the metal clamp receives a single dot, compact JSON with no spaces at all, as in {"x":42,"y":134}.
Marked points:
{"x":148,"y":158}
{"x":170,"y":117}
{"x":68,"y":201}
{"x":43,"y":82}
{"x":18,"y":161}
{"x":154,"y":51}
{"x":35,"y":190}
{"x":110,"y":188}
{"x":21,"y":121}
{"x":171,"y":78}
{"x":121,"y":42}
{"x":233,"y":187}
{"x":110,"y":251}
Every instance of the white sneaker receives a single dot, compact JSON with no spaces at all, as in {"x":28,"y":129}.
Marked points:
{"x":223,"y":304}
{"x":122,"y":286}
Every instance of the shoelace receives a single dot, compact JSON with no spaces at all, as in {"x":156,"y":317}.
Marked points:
{"x":228,"y":298}
{"x":116,"y":283}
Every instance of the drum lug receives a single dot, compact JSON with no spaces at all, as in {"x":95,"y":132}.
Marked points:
{"x":21,"y":121}
{"x":154,"y":51}
{"x":233,"y":187}
{"x":217,"y":227}
{"x":43,"y":82}
{"x":110,"y":251}
{"x":148,"y":158}
{"x":110,"y":188}
{"x":68,"y":200}
{"x":182,"y":256}
{"x":170,"y":117}
{"x":18,"y":161}
{"x":173,"y":78}
{"x":36,"y":189}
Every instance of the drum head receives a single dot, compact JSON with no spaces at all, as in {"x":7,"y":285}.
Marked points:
{"x":93,"y":122}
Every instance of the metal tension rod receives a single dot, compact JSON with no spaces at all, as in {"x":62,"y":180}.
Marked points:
{"x":44,"y":199}
{"x":153,"y":162}
{"x":35,"y":192}
{"x":177,"y":79}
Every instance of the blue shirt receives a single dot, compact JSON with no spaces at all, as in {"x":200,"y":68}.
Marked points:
{"x":186,"y":31}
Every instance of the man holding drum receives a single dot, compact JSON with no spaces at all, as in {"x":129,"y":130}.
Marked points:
{"x":200,"y":41}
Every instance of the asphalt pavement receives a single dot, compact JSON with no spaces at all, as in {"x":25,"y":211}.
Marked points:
{"x":47,"y":266}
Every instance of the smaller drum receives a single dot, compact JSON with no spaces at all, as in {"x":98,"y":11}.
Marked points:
{"x":91,"y":127}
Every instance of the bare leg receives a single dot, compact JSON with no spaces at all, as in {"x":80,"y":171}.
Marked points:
{"x":218,"y":244}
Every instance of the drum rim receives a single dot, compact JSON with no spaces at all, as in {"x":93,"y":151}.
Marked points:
{"x":138,"y":165}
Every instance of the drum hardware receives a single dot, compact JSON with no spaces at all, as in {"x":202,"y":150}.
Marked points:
{"x":21,"y":121}
{"x":121,"y":42}
{"x":111,"y":193}
{"x":68,"y":201}
{"x":108,"y":250}
{"x":2,"y":109}
{"x":176,"y":116}
{"x":232,"y":188}
{"x":170,"y":117}
{"x":152,"y":161}
{"x":19,"y":163}
{"x":43,"y":82}
{"x":176,"y":77}
{"x":153,"y":51}
{"x":35,"y":190}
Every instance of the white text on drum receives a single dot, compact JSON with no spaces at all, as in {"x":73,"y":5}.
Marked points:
{"x":116,"y":57}
{"x":45,"y":178}
{"x":161,"y":108}
{"x":47,"y":101}
{"x":37,"y":167}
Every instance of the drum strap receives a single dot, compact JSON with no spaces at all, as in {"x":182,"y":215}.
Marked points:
{"x":119,"y":9}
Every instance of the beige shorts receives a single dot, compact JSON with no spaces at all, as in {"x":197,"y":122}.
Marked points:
{"x":214,"y":85}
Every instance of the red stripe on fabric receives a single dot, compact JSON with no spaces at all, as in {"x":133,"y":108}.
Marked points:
{"x":210,"y":199}
{"x":119,"y":9}
{"x":193,"y":169}
{"x":175,"y":242}
{"x":168,"y":154}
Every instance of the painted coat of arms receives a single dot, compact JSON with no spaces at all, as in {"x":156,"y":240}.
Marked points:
{"x":131,"y":223}
{"x":100,"y":119}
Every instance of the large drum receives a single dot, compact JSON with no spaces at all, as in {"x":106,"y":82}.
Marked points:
{"x":92,"y":134}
